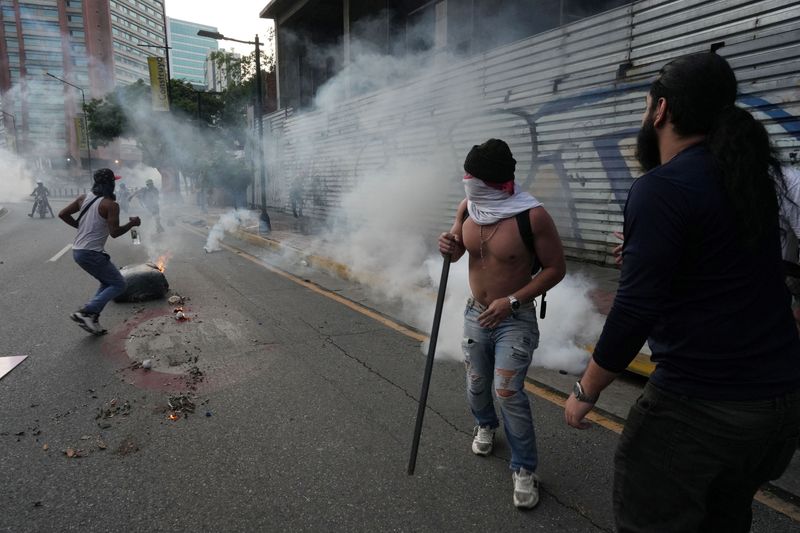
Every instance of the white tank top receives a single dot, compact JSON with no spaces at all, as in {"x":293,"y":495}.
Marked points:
{"x":92,"y":229}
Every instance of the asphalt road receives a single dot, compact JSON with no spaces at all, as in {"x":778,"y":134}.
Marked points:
{"x":304,"y":410}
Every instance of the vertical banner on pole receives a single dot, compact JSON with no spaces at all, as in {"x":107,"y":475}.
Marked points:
{"x":158,"y":83}
{"x":80,"y":133}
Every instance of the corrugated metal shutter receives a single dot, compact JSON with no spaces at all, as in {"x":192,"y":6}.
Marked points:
{"x":557,"y":98}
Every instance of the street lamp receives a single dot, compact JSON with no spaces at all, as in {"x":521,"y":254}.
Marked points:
{"x":16,"y":137}
{"x":265,"y":226}
{"x":85,"y":120}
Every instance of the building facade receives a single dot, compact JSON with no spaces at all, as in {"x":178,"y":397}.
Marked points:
{"x":316,"y":39}
{"x":92,"y":45}
{"x":218,"y":73}
{"x":189,"y":52}
{"x":568,"y":100}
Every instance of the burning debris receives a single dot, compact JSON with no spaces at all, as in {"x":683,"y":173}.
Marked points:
{"x":180,"y":405}
{"x":144,"y":282}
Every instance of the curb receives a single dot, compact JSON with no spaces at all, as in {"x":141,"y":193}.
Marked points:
{"x":641,"y":364}
{"x":318,"y":261}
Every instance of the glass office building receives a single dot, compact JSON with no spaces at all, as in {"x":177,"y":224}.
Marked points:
{"x":93,"y":45}
{"x":189,"y":52}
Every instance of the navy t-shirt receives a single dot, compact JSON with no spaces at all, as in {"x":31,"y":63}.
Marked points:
{"x":717,"y":315}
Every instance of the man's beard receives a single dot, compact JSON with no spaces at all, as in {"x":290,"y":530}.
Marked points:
{"x":647,"y":152}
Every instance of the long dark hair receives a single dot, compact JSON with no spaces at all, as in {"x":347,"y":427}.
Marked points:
{"x":700,"y":90}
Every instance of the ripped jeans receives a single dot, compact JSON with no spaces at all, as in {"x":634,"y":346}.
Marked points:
{"x":497,"y":361}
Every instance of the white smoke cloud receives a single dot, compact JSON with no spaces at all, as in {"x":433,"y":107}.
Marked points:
{"x":377,"y":227}
{"x":228,"y":222}
{"x":17,"y":181}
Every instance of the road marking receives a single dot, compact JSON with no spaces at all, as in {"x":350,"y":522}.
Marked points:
{"x":770,"y":500}
{"x":64,"y":250}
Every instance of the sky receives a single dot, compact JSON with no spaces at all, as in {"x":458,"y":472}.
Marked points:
{"x":233,"y":18}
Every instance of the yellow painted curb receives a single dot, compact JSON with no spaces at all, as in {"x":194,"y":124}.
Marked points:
{"x":640,"y":365}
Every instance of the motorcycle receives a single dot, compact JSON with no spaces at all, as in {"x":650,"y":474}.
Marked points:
{"x":42,"y":206}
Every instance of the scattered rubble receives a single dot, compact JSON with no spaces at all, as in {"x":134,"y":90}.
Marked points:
{"x":127,"y":447}
{"x":179,"y":405}
{"x":75,"y":453}
{"x":113,"y":408}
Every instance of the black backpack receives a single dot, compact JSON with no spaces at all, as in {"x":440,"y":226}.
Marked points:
{"x":526,"y":232}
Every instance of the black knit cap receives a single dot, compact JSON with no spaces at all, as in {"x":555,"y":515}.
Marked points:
{"x":491,"y":161}
{"x":104,"y":176}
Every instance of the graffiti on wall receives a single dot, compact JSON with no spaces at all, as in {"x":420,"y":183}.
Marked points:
{"x":320,"y":176}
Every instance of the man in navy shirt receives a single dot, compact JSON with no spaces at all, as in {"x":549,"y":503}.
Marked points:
{"x":702,"y":281}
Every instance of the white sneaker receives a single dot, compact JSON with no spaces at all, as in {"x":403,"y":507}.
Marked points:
{"x":526,"y":489}
{"x":88,"y":322}
{"x":482,"y":443}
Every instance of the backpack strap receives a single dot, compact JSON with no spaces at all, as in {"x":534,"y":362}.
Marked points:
{"x":83,"y":211}
{"x":526,"y":231}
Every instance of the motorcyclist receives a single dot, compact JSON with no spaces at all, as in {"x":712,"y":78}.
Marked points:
{"x":40,"y":194}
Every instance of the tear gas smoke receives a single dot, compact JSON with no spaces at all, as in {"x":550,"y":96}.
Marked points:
{"x":379,"y":228}
{"x":230,"y":221}
{"x":17,"y":182}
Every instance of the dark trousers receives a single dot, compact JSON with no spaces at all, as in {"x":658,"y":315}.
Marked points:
{"x":690,"y":465}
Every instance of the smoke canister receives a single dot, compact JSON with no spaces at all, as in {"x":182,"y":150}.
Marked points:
{"x":135,"y":237}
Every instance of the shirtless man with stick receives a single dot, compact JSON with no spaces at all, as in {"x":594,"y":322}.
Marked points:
{"x":500,"y":328}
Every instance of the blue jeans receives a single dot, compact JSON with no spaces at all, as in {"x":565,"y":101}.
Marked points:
{"x":99,"y":265}
{"x":497,"y":362}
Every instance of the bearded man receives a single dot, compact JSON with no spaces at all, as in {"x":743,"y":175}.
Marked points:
{"x":702,"y":279}
{"x":500,"y":328}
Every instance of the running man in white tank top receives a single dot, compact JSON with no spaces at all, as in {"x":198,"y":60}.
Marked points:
{"x":98,"y":217}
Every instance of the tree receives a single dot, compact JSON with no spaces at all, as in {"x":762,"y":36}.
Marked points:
{"x":169,"y":141}
{"x":200,"y":131}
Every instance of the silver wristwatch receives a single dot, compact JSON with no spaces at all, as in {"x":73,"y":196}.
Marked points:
{"x":581,"y":396}
{"x":514,"y":302}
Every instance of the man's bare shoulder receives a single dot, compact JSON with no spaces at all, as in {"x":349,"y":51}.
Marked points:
{"x":540,"y":218}
{"x":108,"y":205}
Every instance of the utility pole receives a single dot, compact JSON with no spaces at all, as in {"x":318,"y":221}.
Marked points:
{"x":265,"y":225}
{"x":85,"y":120}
